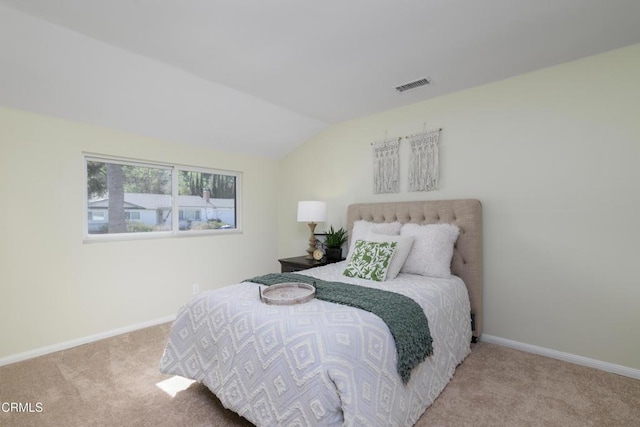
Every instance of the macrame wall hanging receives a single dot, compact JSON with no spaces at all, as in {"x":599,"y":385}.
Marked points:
{"x":424,"y":168}
{"x":386,"y":166}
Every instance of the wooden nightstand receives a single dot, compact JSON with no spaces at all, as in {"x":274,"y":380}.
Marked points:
{"x":289,"y":265}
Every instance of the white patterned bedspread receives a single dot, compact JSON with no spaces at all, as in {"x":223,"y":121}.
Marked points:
{"x":317,"y":363}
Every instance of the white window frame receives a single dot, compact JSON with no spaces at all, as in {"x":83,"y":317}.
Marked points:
{"x":175,"y":173}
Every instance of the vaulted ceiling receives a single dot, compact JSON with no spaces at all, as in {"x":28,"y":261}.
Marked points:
{"x":261,"y":77}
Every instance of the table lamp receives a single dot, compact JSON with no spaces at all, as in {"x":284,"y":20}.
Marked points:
{"x":312,"y":212}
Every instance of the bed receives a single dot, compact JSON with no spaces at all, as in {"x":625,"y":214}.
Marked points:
{"x":322,"y":363}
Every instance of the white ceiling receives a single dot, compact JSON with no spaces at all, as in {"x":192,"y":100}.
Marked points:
{"x":262,"y":76}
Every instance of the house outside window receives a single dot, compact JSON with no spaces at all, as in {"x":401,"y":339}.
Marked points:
{"x":133,"y":199}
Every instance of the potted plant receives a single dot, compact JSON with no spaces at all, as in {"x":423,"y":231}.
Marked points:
{"x":334,"y":240}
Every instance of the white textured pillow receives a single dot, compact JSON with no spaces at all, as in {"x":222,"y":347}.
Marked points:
{"x":362,"y":228}
{"x":432,"y":249}
{"x":403,"y":247}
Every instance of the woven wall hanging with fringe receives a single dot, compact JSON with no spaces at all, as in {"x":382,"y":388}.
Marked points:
{"x":386,"y":166}
{"x":424,"y":168}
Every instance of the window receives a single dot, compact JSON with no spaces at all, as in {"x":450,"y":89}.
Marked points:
{"x":189,"y":215}
{"x":207,"y":200}
{"x":132,"y":215}
{"x":131,"y":199}
{"x":96,"y":216}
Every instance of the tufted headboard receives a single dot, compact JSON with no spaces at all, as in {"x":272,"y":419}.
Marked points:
{"x":467,"y":254}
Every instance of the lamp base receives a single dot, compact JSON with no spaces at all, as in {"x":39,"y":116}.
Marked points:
{"x":312,"y":241}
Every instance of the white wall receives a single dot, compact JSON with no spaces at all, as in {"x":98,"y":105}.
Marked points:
{"x":54,"y":288}
{"x":553,"y":157}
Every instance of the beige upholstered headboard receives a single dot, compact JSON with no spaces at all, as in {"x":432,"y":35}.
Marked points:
{"x":467,"y":255}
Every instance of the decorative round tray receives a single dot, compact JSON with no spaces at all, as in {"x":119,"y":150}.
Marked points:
{"x":288,"y":293}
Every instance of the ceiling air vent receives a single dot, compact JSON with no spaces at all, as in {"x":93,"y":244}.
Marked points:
{"x":414,"y":84}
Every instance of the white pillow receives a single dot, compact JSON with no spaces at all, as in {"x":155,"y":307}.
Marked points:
{"x":362,"y":228}
{"x":403,"y":247}
{"x":432,"y":249}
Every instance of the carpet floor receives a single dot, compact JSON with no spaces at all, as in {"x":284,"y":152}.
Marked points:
{"x":116,"y":382}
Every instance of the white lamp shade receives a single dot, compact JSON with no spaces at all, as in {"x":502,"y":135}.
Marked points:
{"x":312,"y":211}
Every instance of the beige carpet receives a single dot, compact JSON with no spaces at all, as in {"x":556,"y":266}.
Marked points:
{"x":113,"y":383}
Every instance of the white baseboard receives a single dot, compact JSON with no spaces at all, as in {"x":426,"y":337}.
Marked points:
{"x":567,"y":357}
{"x":85,"y":340}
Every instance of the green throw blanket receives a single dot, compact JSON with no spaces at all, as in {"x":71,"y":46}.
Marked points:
{"x":404,"y":317}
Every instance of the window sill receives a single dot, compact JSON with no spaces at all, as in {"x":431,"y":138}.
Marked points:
{"x":100,"y":238}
